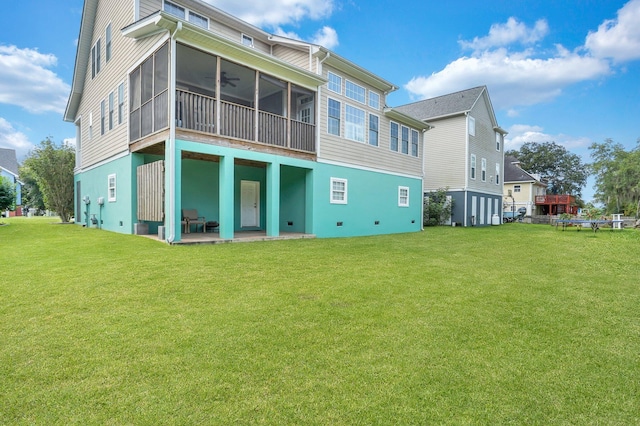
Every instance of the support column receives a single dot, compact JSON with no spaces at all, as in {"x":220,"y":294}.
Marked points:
{"x":273,"y":199}
{"x":309,"y":205}
{"x":227,"y":196}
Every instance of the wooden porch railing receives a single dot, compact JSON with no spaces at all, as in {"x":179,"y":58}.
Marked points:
{"x":198,"y":112}
{"x":555,"y":199}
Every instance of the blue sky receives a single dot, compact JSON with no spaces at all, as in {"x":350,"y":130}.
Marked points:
{"x":566,"y":71}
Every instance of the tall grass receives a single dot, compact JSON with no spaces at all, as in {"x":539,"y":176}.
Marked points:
{"x":516,"y":324}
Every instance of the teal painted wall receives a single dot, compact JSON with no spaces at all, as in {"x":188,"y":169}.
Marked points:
{"x":371,"y":197}
{"x":200,"y":188}
{"x":292,"y":199}
{"x":117,"y":216}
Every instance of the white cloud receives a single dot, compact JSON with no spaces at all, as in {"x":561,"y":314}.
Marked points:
{"x":327,"y":37}
{"x":509,"y":33}
{"x":513,"y":79}
{"x":619,"y":38}
{"x":275,"y":13}
{"x":27,"y":81}
{"x":522,"y":133}
{"x":14,"y":139}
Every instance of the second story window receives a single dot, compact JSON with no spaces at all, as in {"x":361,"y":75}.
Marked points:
{"x":355,"y":92}
{"x":374,"y":100}
{"x":174,"y":9}
{"x":393,"y":134}
{"x":405,"y":140}
{"x":354,"y":123}
{"x":107,"y":39}
{"x":473,"y":166}
{"x":335,"y":82}
{"x":484,"y":169}
{"x":373,"y":130}
{"x":95,"y":59}
{"x":333,"y":124}
{"x":247,"y":40}
{"x":516,"y":188}
{"x":415,"y":137}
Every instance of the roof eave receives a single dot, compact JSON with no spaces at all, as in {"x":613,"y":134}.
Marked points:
{"x":407,"y":119}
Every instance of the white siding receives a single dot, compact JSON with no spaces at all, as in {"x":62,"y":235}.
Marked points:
{"x":445,"y":156}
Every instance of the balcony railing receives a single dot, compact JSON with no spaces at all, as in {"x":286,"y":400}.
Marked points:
{"x":555,"y":199}
{"x":198,"y":112}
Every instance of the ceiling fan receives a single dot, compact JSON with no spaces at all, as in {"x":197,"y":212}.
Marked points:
{"x":224,"y":80}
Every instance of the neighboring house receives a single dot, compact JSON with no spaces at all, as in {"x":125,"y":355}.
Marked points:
{"x":464,"y":153}
{"x":521,"y":188}
{"x":179,"y":105}
{"x":9,"y":170}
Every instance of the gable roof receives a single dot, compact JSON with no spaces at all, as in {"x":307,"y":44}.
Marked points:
{"x":445,"y":105}
{"x":514,"y":173}
{"x":9,"y":161}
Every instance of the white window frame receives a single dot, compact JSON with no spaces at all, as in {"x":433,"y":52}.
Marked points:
{"x":353,"y":126}
{"x":199,"y":20}
{"x":107,"y":42}
{"x":334,"y":83}
{"x":497,"y":173}
{"x":517,"y":188}
{"x":355,"y":91}
{"x":395,"y":138}
{"x":95,"y":58}
{"x":374,"y":100}
{"x":103,"y":116}
{"x":329,"y":117}
{"x":333,"y":192}
{"x":246,"y":40}
{"x":120,"y":103}
{"x":472,"y":126}
{"x":172,"y":7}
{"x":473,"y":167}
{"x":111,"y":187}
{"x":498,"y":141}
{"x":90,"y":125}
{"x":403,"y":196}
{"x":375,"y":131}
{"x":483,"y":172}
{"x":415,"y":147}
{"x":404,"y":130}
{"x":111,"y":110}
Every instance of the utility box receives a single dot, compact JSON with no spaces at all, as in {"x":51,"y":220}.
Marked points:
{"x":141,"y":228}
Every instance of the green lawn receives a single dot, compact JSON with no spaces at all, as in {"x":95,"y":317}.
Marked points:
{"x":520,"y":324}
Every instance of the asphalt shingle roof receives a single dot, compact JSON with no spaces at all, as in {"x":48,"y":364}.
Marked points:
{"x":8,"y":160}
{"x":458,"y":102}
{"x":513,"y":173}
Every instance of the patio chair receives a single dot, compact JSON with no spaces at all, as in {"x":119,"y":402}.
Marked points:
{"x":190,"y":217}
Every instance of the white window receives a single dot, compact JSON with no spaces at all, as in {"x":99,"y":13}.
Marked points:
{"x":498,"y":141}
{"x":247,"y":40}
{"x":355,"y":92}
{"x":107,"y":39}
{"x":95,"y":59}
{"x":338,"y":191}
{"x":90,"y":125}
{"x":174,"y":9}
{"x":415,"y":137}
{"x":120,"y":103}
{"x":335,"y":83}
{"x":472,"y":126}
{"x":103,"y":113}
{"x":333,"y":122}
{"x":111,"y":110}
{"x":354,"y":123}
{"x":473,"y":166}
{"x":497,"y":173}
{"x":516,"y":188}
{"x":403,"y":196}
{"x":405,"y":140}
{"x":111,"y":187}
{"x":374,"y":100}
{"x":373,"y":129}
{"x":199,"y":20}
{"x":484,"y":170}
{"x":393,"y":142}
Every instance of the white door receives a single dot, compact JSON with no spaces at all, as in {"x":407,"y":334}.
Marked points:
{"x":249,"y":204}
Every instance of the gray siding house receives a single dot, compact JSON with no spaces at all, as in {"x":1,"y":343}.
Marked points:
{"x":464,"y":152}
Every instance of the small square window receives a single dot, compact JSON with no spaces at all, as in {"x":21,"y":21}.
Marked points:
{"x":516,"y":188}
{"x":403,"y":196}
{"x":374,"y":100}
{"x":338,"y":191}
{"x":247,"y":40}
{"x":112,"y":187}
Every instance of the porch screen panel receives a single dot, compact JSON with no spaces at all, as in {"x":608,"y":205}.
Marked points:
{"x":151,"y":191}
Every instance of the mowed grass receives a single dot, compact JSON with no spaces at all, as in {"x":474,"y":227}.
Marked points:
{"x":519,"y":324}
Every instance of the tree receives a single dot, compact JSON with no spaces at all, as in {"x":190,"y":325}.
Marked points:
{"x":437,"y":208}
{"x":31,"y":195}
{"x":564,"y":171}
{"x":52,"y":166}
{"x":7,"y":194}
{"x":617,"y":174}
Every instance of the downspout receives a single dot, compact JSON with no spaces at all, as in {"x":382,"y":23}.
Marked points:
{"x":466,"y":166}
{"x":424,"y":144}
{"x":318,"y":108}
{"x":171,"y":142}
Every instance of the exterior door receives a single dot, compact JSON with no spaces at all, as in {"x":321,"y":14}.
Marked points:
{"x":249,"y":204}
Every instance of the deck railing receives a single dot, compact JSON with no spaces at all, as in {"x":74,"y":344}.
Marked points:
{"x":198,"y":112}
{"x":555,"y":199}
